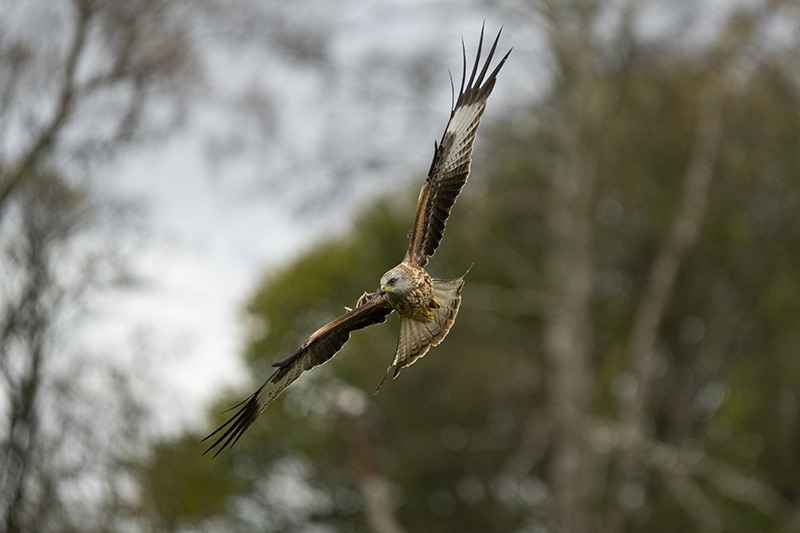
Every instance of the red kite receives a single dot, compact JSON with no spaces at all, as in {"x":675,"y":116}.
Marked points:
{"x":427,"y":307}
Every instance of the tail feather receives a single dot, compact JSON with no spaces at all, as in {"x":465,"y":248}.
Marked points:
{"x":417,"y":337}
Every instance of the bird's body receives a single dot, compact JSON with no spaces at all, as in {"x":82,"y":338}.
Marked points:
{"x":427,"y":306}
{"x":409,"y":291}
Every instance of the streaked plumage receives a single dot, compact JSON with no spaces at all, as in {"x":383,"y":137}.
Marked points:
{"x":427,"y":307}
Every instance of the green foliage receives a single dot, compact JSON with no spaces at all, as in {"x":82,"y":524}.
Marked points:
{"x":455,"y":430}
{"x":438,"y":415}
{"x":182,"y":488}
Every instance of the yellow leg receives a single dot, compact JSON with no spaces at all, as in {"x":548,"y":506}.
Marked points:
{"x":432,"y":305}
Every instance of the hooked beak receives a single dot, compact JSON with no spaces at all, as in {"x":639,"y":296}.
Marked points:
{"x":383,"y":290}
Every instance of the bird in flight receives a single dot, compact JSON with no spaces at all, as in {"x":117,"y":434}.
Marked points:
{"x":427,"y":306}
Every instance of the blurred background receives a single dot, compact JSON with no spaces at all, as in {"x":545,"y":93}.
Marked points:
{"x":189,"y":188}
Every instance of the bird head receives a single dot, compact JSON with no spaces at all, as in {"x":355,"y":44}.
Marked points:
{"x":394,"y":281}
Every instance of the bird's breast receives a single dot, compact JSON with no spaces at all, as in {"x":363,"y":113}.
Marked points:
{"x":414,"y":301}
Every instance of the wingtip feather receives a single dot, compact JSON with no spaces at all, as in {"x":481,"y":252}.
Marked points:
{"x":479,"y":85}
{"x":477,"y":60}
{"x":488,"y":59}
{"x":234,"y":428}
{"x":463,"y":69}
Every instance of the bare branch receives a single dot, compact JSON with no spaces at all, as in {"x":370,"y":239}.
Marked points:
{"x":692,"y":498}
{"x":730,"y":481}
{"x":375,"y":489}
{"x":737,"y":486}
{"x":519,"y":301}
{"x":531,"y":448}
{"x":680,"y":467}
{"x":583,"y":103}
{"x":63,"y":106}
{"x":682,"y":236}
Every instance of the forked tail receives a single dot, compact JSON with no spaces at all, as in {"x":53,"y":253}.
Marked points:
{"x":417,"y":337}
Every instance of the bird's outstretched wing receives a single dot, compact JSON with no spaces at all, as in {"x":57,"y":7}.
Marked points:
{"x":321,"y":346}
{"x":452,"y":158}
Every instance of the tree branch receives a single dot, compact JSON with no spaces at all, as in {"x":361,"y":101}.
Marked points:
{"x":375,"y":489}
{"x":680,"y":465}
{"x":692,"y":498}
{"x":663,"y":273}
{"x":63,"y":107}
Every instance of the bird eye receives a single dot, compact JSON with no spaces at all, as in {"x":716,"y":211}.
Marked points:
{"x":392,"y":281}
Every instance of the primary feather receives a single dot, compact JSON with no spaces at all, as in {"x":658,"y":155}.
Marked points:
{"x":320,"y":347}
{"x":452,"y":158}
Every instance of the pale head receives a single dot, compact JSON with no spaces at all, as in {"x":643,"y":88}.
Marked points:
{"x":396,"y":280}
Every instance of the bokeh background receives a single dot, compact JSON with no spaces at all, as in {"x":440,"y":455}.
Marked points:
{"x":189,"y":188}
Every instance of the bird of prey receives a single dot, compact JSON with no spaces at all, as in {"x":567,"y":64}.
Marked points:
{"x":427,"y":306}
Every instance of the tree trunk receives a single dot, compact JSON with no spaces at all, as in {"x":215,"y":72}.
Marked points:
{"x":567,"y":340}
{"x":375,"y":489}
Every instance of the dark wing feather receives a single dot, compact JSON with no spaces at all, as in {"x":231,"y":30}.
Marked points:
{"x":318,"y":349}
{"x":452,"y":158}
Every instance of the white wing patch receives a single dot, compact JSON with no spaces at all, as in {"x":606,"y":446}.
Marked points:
{"x":464,"y":125}
{"x":464,"y":116}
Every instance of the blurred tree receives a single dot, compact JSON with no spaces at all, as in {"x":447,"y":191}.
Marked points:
{"x":594,"y":63}
{"x":68,"y":461}
{"x":626,"y":354}
{"x":97,"y":77}
{"x":83,"y":85}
